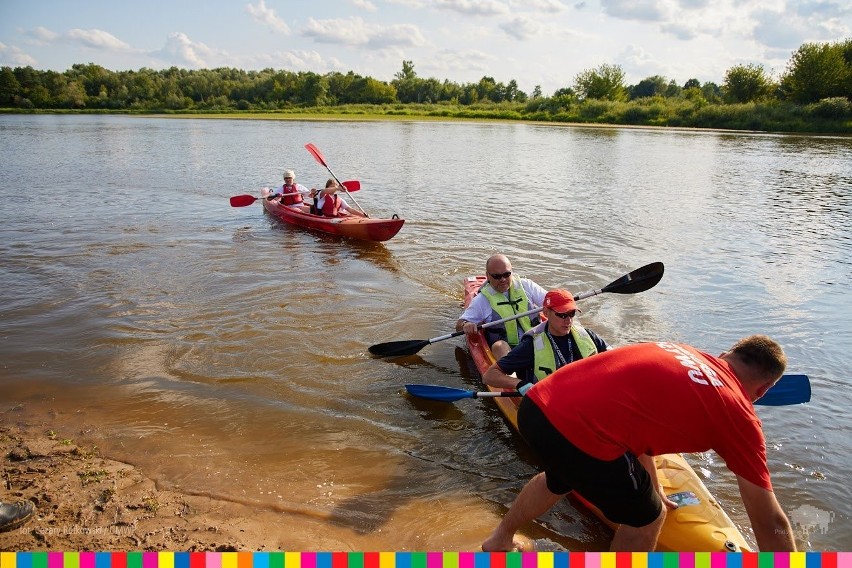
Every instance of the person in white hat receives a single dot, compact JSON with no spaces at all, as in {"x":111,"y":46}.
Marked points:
{"x":291,"y":192}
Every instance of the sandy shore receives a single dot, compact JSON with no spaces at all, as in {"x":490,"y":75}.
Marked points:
{"x":87,"y":502}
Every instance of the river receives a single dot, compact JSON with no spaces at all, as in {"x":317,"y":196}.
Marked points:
{"x":223,"y":352}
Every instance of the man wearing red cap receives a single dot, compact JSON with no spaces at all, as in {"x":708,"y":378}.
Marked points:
{"x":548,"y":346}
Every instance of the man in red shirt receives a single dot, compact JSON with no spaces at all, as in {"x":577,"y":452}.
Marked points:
{"x":596,"y":424}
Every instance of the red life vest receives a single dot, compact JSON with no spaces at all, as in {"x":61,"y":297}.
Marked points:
{"x":331,"y":206}
{"x":290,"y":195}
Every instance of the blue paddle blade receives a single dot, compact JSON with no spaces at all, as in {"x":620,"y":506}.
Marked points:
{"x":443,"y":394}
{"x":791,"y":389}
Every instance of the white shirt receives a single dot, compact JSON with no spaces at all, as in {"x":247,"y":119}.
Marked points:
{"x":479,"y":310}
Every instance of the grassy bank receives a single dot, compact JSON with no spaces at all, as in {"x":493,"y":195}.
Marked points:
{"x":830,"y":116}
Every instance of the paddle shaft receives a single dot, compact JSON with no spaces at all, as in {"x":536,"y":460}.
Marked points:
{"x":531,"y":312}
{"x":314,"y":151}
{"x":639,"y":280}
{"x":790,"y":389}
{"x":246,"y":200}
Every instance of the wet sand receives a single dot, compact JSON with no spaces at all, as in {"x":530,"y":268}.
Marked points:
{"x":85,"y":501}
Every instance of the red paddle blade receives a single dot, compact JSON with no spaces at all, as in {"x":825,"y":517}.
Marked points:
{"x":316,"y":153}
{"x":242,"y":200}
{"x":352,"y":185}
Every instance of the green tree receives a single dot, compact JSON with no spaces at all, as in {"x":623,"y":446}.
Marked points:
{"x":648,"y":87}
{"x":9,"y":86}
{"x":746,"y":83}
{"x":819,"y":71}
{"x":314,"y":89}
{"x":692,"y":84}
{"x":712,"y":92}
{"x":407,"y":85}
{"x":606,"y":82}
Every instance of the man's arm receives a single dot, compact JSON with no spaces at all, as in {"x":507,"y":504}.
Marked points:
{"x":474,"y":314}
{"x":770,"y":525}
{"x":517,"y":360}
{"x":651,"y":467}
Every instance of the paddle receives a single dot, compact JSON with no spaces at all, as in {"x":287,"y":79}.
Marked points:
{"x":791,"y":389}
{"x":634,"y":282}
{"x":321,"y":159}
{"x":245,"y":199}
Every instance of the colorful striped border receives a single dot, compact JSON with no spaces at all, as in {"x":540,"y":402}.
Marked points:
{"x":425,"y":560}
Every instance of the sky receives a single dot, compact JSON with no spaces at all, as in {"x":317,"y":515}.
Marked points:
{"x":543,"y":43}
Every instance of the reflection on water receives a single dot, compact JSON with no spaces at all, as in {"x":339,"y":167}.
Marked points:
{"x":225,"y":353}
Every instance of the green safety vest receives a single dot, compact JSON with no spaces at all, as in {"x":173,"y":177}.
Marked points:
{"x":545,"y":358}
{"x":507,"y":307}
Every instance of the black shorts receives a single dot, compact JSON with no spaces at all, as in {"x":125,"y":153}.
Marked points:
{"x":620,"y":488}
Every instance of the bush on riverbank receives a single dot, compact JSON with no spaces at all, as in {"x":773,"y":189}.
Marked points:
{"x":832,"y":115}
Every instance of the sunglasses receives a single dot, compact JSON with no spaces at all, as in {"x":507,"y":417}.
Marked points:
{"x":565,"y":315}
{"x":502,"y":276}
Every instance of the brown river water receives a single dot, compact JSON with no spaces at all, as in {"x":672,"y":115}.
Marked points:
{"x":225,"y":353}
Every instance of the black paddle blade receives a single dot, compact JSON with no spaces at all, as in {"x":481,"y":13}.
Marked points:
{"x":398,"y":348}
{"x":637,"y":281}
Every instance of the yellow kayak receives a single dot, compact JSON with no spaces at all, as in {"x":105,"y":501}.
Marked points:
{"x":699,"y":524}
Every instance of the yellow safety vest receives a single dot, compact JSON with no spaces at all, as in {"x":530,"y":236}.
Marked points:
{"x":545,"y":359}
{"x":507,"y":307}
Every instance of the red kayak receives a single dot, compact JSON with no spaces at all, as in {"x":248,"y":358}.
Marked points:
{"x":361,"y":228}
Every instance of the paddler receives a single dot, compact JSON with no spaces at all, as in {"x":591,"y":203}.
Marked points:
{"x":550,"y":345}
{"x":590,"y":420}
{"x":291,"y":192}
{"x":328,"y":204}
{"x":503,"y":295}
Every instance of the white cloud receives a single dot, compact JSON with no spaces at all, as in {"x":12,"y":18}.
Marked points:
{"x":93,"y":39}
{"x":790,"y":28}
{"x":42,"y":35}
{"x":522,"y":28}
{"x":643,"y":10}
{"x":181,"y":50}
{"x":266,"y":16}
{"x":547,"y":6}
{"x":636,"y":62}
{"x":474,"y":7}
{"x":352,"y":31}
{"x":364,"y":5}
{"x":97,"y":39}
{"x":448,"y":62}
{"x":356,"y":32}
{"x":400,"y":35}
{"x":12,"y":56}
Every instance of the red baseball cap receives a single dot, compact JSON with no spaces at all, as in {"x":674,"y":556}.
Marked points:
{"x":560,"y":301}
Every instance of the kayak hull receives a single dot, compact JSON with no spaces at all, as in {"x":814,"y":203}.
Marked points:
{"x":699,"y":525}
{"x":360,"y":228}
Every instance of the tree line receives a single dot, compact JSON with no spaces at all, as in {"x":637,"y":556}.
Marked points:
{"x":817,"y":81}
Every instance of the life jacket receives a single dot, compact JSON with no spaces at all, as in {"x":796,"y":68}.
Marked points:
{"x":290,"y":195}
{"x":545,"y":358}
{"x":331,"y":206}
{"x":503,"y":307}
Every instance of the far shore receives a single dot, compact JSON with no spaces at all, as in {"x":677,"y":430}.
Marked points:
{"x":377,"y":117}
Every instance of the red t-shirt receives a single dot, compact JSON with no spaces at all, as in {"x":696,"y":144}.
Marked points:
{"x":656,"y":398}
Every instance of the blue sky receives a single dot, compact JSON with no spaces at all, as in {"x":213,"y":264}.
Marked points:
{"x":534,"y":42}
